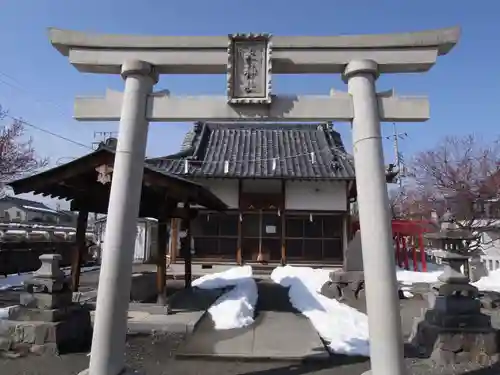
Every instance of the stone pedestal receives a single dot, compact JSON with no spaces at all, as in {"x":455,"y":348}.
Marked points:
{"x":344,"y":285}
{"x":46,"y":320}
{"x":348,"y":285}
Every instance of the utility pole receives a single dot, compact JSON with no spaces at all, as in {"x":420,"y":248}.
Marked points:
{"x":102,"y":137}
{"x":397,"y":156}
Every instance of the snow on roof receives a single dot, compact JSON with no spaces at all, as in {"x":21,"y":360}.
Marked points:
{"x":40,"y":209}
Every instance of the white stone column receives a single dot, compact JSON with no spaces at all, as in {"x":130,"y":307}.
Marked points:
{"x":110,"y":327}
{"x":386,"y":342}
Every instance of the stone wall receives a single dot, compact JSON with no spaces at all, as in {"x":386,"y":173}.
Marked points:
{"x":24,"y":257}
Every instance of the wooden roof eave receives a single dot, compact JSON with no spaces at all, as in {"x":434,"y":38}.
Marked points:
{"x":191,"y":191}
{"x":176,"y":187}
{"x":60,"y":173}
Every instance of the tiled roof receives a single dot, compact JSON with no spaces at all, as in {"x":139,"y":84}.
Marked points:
{"x":24,"y":202}
{"x":260,"y":151}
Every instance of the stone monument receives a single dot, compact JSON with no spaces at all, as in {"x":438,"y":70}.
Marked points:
{"x":46,"y":320}
{"x":348,"y":284}
{"x":453,"y":329}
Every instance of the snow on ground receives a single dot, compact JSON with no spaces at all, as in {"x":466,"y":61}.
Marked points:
{"x":407,"y":278}
{"x":12,"y":281}
{"x":235,"y":308}
{"x":344,"y":328}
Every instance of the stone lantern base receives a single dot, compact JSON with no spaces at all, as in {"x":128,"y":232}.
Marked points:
{"x":453,"y":330}
{"x":46,"y":320}
{"x":454,"y":346}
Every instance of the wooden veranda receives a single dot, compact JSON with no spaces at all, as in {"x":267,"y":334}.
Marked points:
{"x":85,"y":181}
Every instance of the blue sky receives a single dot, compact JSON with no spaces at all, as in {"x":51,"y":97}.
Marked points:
{"x":39,"y":85}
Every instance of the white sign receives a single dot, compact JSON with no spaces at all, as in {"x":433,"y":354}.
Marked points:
{"x":271,"y":229}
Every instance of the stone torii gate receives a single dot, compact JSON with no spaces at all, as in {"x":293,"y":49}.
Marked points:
{"x":249,"y":60}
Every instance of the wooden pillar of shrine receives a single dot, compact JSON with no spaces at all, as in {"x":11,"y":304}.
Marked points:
{"x":239,"y":254}
{"x":186,"y":246}
{"x":161,"y":260}
{"x":239,"y":257}
{"x":79,"y":249}
{"x":174,"y":235}
{"x":283,"y":223}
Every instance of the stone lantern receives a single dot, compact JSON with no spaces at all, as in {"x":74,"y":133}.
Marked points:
{"x":453,"y":329}
{"x":454,"y":252}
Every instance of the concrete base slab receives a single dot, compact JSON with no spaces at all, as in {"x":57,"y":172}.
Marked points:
{"x":151,"y":308}
{"x":144,"y":322}
{"x":184,"y":322}
{"x":194,"y":299}
{"x":126,"y":371}
{"x":287,"y":336}
{"x":273,"y":336}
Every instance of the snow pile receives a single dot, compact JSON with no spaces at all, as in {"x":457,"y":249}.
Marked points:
{"x":490,"y":282}
{"x":234,"y":309}
{"x":407,"y":278}
{"x":344,"y":328}
{"x":4,"y":312}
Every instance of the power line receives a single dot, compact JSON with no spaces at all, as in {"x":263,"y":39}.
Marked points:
{"x":24,"y":122}
{"x":100,"y":137}
{"x":312,"y":155}
{"x":19,"y":86}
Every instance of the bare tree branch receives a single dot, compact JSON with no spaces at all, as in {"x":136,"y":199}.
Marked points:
{"x":462,"y":174}
{"x":17,"y":154}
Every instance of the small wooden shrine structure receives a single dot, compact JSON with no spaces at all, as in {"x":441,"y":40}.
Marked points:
{"x":86,"y":181}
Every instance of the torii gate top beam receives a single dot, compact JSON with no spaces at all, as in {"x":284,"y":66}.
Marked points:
{"x":394,"y":53}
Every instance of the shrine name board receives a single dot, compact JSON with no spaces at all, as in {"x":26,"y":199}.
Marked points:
{"x":249,"y":69}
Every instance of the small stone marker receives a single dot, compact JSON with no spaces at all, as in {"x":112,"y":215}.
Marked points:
{"x":348,"y":285}
{"x":353,"y":260}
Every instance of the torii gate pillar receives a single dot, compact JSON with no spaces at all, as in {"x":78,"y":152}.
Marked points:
{"x":386,"y":347}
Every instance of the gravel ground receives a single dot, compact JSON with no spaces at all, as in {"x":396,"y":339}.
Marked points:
{"x":154,"y":355}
